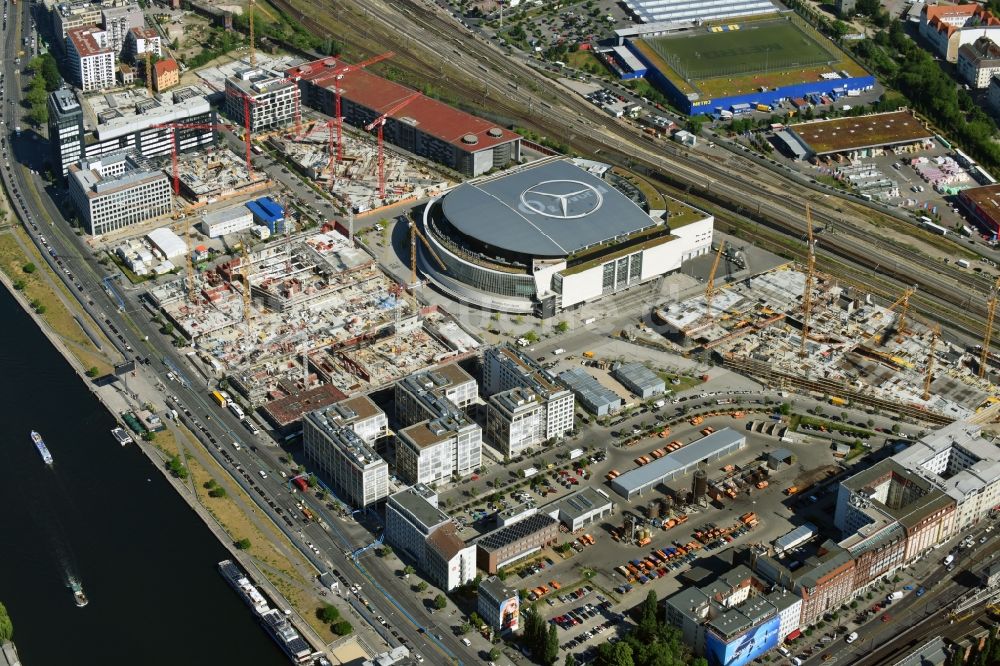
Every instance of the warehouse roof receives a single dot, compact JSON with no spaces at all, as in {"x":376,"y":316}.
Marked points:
{"x":430,"y":116}
{"x":854,"y":133}
{"x":637,"y":376}
{"x":581,"y":503}
{"x":169,"y":243}
{"x":553,"y":208}
{"x":225,"y":214}
{"x":591,"y":393}
{"x":718,"y":443}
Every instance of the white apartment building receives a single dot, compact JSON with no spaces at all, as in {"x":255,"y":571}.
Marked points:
{"x":361,"y":415}
{"x":415,"y":525}
{"x":139,"y":41}
{"x":439,"y":439}
{"x":506,"y":368}
{"x":114,"y":192}
{"x":357,"y":473}
{"x":515,"y":421}
{"x":273,"y":100}
{"x":978,"y":62}
{"x":119,"y":21}
{"x":90,"y":58}
{"x":961,"y":463}
{"x":949,"y":27}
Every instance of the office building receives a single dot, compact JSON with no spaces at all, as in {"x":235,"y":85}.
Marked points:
{"x":65,"y":130}
{"x":527,"y":406}
{"x":509,"y":544}
{"x":226,"y":221}
{"x":732,"y":619}
{"x":114,"y":192}
{"x":357,"y":473}
{"x":499,"y":605}
{"x":416,"y":526}
{"x":285,"y":413}
{"x":69,"y":15}
{"x":438,"y":439}
{"x":273,"y":101}
{"x":90,"y":126}
{"x":821,"y":574}
{"x":515,"y":421}
{"x":90,"y":60}
{"x":140,"y":41}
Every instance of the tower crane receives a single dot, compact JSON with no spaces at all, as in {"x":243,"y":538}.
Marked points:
{"x":935,"y":334}
{"x":991,"y":310}
{"x":149,"y":72}
{"x":903,"y":303}
{"x":335,"y":75}
{"x":810,"y":273}
{"x":414,"y":234}
{"x":380,"y":123}
{"x":245,"y":270}
{"x":710,"y":284}
{"x":253,"y":52}
{"x":173,"y":145}
{"x":247,"y":123}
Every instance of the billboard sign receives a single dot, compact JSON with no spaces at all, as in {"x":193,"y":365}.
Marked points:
{"x":510,"y":614}
{"x":743,"y":649}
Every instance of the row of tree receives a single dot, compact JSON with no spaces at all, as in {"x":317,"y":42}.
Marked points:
{"x":652,"y":643}
{"x":540,"y":637}
{"x":45,"y":79}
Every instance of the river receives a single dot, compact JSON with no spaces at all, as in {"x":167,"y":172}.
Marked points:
{"x":104,"y":515}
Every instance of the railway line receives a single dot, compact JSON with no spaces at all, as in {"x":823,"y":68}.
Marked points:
{"x":512,"y":90}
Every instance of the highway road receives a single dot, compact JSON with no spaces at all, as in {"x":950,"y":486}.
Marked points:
{"x":127,"y":323}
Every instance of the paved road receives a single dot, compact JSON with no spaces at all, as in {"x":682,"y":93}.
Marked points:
{"x":135,"y":337}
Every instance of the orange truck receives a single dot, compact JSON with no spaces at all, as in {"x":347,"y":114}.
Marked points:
{"x":697,"y":420}
{"x":644,"y":541}
{"x":791,"y":490}
{"x":762,"y":484}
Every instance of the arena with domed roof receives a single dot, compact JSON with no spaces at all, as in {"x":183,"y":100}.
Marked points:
{"x":554,"y":234}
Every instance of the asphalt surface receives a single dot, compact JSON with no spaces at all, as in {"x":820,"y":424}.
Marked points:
{"x":134,"y":336}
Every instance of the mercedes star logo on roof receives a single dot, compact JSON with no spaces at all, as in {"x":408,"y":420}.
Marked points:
{"x":562,"y":199}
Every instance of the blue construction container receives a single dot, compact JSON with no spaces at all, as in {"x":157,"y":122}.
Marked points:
{"x":267,"y":212}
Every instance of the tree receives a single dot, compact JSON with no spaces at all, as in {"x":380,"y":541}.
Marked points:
{"x":208,"y":485}
{"x":217,"y":492}
{"x":785,"y":408}
{"x":312,"y":480}
{"x":440,"y":602}
{"x":551,"y":651}
{"x":648,"y":623}
{"x":407,"y":570}
{"x":19,"y":284}
{"x":29,"y":268}
{"x":464,"y":628}
{"x":494,"y":654}
{"x":570,"y":660}
{"x":421,"y":586}
{"x":6,"y":626}
{"x":562,"y":327}
{"x":243,"y":544}
{"x":342,"y":628}
{"x":92,"y":371}
{"x":615,"y":654}
{"x":328,"y":613}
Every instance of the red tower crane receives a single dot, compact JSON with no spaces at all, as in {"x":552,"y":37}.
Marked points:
{"x":335,"y":75}
{"x":173,"y":144}
{"x":380,"y":123}
{"x":247,"y":101}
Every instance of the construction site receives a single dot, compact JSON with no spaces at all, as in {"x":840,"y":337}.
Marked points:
{"x":854,"y":350}
{"x":215,"y":174}
{"x":351,"y":174}
{"x":310,"y":309}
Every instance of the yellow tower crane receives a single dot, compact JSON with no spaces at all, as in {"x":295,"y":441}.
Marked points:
{"x":710,"y":284}
{"x":253,"y":52}
{"x":810,"y":273}
{"x":991,"y":310}
{"x":935,"y":334}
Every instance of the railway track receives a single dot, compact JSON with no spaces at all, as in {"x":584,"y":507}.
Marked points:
{"x":512,"y":90}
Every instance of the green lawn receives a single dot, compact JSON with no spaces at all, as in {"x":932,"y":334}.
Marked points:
{"x":755,"y":47}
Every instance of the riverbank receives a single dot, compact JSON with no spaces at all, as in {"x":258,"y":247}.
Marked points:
{"x":8,"y":654}
{"x":230,"y":518}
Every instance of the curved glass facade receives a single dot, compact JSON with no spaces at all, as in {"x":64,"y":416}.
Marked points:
{"x":504,"y":283}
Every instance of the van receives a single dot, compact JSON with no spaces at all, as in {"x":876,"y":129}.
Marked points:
{"x":236,"y":445}
{"x":784,"y":652}
{"x":851,"y":637}
{"x":467,"y":642}
{"x":263,"y":474}
{"x":556,"y":352}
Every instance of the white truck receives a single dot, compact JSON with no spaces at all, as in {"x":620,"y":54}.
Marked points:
{"x":575,"y":453}
{"x":895,"y":596}
{"x":530,"y":472}
{"x":558,"y":351}
{"x":948,"y":560}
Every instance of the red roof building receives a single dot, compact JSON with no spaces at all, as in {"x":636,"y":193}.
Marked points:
{"x":426,"y":127}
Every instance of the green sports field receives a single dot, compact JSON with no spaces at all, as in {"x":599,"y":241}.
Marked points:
{"x":763,"y":46}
